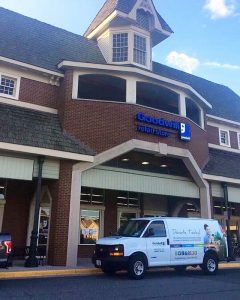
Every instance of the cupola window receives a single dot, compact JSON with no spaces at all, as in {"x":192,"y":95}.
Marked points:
{"x":120,"y":47}
{"x":140,"y":50}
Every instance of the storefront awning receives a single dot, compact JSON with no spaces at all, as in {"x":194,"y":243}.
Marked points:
{"x":16,"y":168}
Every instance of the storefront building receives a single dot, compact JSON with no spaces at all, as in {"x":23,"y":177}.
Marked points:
{"x":121,"y":136}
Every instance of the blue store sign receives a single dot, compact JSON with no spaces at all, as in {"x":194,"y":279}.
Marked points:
{"x":160,"y":125}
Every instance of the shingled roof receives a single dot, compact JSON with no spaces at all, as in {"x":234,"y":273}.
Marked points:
{"x":27,"y":40}
{"x":225,"y":103}
{"x":124,"y":6}
{"x":39,"y":44}
{"x":28,"y":127}
{"x":223,"y":163}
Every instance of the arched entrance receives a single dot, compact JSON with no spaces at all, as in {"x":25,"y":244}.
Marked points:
{"x":157,"y":149}
{"x":187,"y":208}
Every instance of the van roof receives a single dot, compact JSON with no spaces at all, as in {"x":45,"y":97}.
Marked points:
{"x":172,"y":218}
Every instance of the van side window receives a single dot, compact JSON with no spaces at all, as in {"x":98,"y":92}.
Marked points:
{"x":156,"y":229}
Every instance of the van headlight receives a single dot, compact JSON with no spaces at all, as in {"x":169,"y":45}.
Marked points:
{"x":116,"y":250}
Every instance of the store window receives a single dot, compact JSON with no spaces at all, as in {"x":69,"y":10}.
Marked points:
{"x":44,"y":226}
{"x":3,"y":187}
{"x":140,"y":50}
{"x":91,"y":215}
{"x":193,"y":112}
{"x":8,"y":86}
{"x":224,"y":138}
{"x":219,"y":208}
{"x":128,"y":206}
{"x":102,"y":87}
{"x":156,"y":96}
{"x":120,"y":47}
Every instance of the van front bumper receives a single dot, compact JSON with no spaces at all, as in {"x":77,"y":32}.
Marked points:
{"x":118,"y":263}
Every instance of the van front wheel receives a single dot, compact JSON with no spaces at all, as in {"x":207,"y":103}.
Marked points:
{"x":210,"y":264}
{"x":137,"y":267}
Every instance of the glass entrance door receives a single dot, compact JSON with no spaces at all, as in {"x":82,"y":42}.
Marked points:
{"x":43,"y":226}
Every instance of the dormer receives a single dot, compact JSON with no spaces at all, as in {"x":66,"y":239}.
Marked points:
{"x":127,"y":30}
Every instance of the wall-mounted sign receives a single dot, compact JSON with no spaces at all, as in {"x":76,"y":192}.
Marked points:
{"x":160,"y":126}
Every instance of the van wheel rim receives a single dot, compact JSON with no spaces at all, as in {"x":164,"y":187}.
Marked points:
{"x":138,"y":268}
{"x":211,"y":265}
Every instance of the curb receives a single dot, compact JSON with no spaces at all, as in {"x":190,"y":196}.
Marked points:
{"x":47,"y":273}
{"x":74,"y":272}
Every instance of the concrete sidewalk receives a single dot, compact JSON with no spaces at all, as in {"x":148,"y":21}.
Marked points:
{"x":85,"y":268}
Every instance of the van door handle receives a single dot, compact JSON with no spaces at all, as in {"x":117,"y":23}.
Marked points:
{"x":167,"y":241}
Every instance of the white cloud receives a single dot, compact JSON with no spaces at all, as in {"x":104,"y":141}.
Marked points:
{"x":182,"y":61}
{"x":220,"y":8}
{"x":189,"y":64}
{"x":223,"y":66}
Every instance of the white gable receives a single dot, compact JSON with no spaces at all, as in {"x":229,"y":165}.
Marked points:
{"x":147,"y":5}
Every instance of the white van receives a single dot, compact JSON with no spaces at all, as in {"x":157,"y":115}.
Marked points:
{"x":155,"y":242}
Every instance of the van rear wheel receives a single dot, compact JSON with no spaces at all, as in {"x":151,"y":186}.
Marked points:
{"x":137,"y":266}
{"x":210,"y":264}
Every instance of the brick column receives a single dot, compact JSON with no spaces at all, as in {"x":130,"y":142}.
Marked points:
{"x":58,"y":237}
{"x":110,"y":215}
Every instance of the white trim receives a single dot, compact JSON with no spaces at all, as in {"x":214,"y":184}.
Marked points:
{"x":25,"y":65}
{"x":146,"y":73}
{"x":222,"y":119}
{"x":17,"y":80}
{"x":157,"y":149}
{"x":143,"y":173}
{"x":221,"y":179}
{"x":46,"y":152}
{"x":238,"y":138}
{"x":140,"y":105}
{"x":101,"y":26}
{"x":220,"y":130}
{"x":223,"y":126}
{"x":28,"y":105}
{"x":224,"y":148}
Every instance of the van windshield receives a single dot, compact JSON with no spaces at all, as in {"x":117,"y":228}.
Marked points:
{"x":133,"y":228}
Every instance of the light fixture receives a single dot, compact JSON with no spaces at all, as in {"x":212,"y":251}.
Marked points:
{"x":145,"y":163}
{"x":125,"y":159}
{"x":163,"y":166}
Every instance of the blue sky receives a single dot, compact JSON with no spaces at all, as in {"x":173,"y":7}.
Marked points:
{"x":206,"y":39}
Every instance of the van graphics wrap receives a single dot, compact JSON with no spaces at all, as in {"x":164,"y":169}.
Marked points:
{"x":183,"y":129}
{"x":194,"y":242}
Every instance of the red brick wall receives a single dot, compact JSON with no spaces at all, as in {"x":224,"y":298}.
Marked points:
{"x":65,"y":94}
{"x":16,"y":212}
{"x":110,"y":214}
{"x":234,"y":140}
{"x":60,"y":191}
{"x":105,"y":125}
{"x":213,"y":135}
{"x":39,"y":93}
{"x":85,"y":251}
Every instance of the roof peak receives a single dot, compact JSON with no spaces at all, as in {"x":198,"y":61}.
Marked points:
{"x":126,"y":7}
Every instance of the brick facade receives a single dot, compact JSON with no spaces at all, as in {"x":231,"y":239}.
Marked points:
{"x":60,"y":191}
{"x":39,"y":93}
{"x":16,"y":213}
{"x":213,"y":135}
